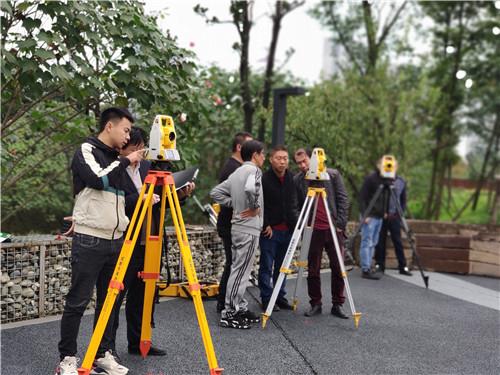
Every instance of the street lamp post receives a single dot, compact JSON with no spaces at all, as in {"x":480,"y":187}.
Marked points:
{"x":279,"y":111}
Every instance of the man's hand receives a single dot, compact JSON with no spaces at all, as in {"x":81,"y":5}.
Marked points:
{"x":156,"y":198}
{"x":367,"y":220}
{"x":187,"y":191}
{"x":249,"y":212}
{"x":136,"y":156}
{"x":71,"y":229}
{"x":268,"y":232}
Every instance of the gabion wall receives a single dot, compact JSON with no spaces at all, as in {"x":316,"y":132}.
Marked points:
{"x":36,"y":270}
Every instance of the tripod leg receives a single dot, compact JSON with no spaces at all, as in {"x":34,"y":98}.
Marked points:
{"x":410,"y":236}
{"x":190,"y":271}
{"x":116,"y":283}
{"x":355,"y":315}
{"x":350,"y":242}
{"x":285,"y":266}
{"x":151,"y":273}
{"x":304,"y":252}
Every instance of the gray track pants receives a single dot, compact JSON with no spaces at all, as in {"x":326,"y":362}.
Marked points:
{"x":243,"y":250}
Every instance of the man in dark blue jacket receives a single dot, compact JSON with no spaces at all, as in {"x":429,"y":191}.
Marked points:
{"x":280,"y":217}
{"x":99,"y":222}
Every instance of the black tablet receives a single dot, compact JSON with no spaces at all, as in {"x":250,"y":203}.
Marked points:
{"x":183,"y":178}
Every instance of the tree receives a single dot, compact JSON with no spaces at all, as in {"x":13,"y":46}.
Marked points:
{"x":362,"y":31}
{"x":337,"y":115}
{"x":62,"y":62}
{"x":454,"y":33}
{"x":242,"y":19}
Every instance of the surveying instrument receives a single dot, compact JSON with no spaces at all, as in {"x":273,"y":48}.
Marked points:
{"x":317,"y":175}
{"x":388,"y":174}
{"x":162,"y":149}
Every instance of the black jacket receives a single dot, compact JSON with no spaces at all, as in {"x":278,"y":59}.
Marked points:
{"x":99,"y":209}
{"x":226,"y":213}
{"x":280,"y":200}
{"x":370,"y":185}
{"x":338,"y":201}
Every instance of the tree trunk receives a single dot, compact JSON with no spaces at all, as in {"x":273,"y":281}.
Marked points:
{"x":246,"y":95}
{"x":266,"y":94}
{"x":482,"y":175}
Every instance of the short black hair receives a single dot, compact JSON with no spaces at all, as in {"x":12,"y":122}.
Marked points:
{"x":137,"y":136}
{"x":301,"y":151}
{"x":277,"y":148}
{"x":249,"y":148}
{"x":240,"y":138}
{"x":114,"y":113}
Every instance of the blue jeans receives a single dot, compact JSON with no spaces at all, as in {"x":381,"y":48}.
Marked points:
{"x":369,"y":239}
{"x":272,"y":253}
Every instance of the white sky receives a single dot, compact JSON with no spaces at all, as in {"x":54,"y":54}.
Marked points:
{"x":213,"y":43}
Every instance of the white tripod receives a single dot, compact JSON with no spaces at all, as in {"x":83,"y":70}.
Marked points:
{"x":317,"y":172}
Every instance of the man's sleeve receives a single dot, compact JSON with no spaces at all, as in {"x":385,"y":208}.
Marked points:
{"x":297,"y":181}
{"x":294,"y":208}
{"x":252,"y":189}
{"x":222,"y":194}
{"x":92,"y":174}
{"x":403,"y":197}
{"x":341,"y":200}
{"x":364,"y":196}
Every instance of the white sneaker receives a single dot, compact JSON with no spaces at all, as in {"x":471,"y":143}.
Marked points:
{"x":68,"y":366}
{"x":109,"y":364}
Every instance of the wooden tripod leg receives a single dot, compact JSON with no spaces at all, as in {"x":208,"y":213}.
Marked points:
{"x":151,"y":273}
{"x":116,"y":283}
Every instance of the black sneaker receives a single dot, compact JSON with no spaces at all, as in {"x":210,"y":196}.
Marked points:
{"x":265,"y":304}
{"x":370,"y":275}
{"x":283,"y":304}
{"x":379,"y":268}
{"x":220,"y":306}
{"x":234,"y":322}
{"x":249,"y":316}
{"x":405,"y":271}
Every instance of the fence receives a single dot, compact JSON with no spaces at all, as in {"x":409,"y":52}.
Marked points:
{"x":36,"y":270}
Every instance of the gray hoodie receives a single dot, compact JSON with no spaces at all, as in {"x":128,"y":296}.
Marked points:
{"x":242,"y":190}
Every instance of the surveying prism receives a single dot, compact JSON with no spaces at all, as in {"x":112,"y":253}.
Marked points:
{"x":317,"y":174}
{"x":162,"y":149}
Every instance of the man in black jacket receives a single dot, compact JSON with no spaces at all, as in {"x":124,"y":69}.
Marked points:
{"x":99,"y":222}
{"x":338,"y":204}
{"x":280,"y":217}
{"x":226,"y":214}
{"x":392,"y":223}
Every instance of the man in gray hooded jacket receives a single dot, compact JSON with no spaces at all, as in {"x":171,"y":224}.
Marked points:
{"x":242,"y":191}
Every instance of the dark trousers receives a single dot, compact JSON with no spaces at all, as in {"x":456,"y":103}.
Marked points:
{"x":133,"y":288}
{"x":226,"y":241}
{"x":272,"y":253}
{"x":322,"y":239}
{"x":93,"y":260}
{"x":393,"y":225}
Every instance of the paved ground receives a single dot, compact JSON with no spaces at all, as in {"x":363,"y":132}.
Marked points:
{"x":405,"y":329}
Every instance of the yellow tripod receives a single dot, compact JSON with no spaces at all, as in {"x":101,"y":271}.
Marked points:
{"x":151,"y":271}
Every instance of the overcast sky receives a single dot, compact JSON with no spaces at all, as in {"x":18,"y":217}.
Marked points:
{"x":213,"y":43}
